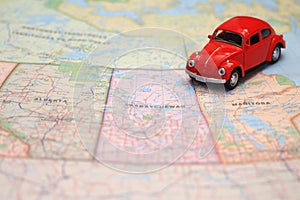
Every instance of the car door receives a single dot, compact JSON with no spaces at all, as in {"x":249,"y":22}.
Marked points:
{"x":266,"y":40}
{"x":253,"y":51}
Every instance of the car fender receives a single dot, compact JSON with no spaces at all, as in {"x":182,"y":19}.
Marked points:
{"x":231,"y":65}
{"x":277,"y":39}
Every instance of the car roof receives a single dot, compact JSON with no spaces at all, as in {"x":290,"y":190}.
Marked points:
{"x":244,"y":25}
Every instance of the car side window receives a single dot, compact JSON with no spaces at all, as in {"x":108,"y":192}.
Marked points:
{"x":254,"y":39}
{"x":265,"y":33}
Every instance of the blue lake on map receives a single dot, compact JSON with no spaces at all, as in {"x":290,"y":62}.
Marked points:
{"x":252,"y":121}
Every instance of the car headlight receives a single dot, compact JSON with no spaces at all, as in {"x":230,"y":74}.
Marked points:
{"x":222,"y":71}
{"x":191,"y":63}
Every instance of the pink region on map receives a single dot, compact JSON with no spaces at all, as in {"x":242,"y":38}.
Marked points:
{"x":5,"y":69}
{"x":10,"y":146}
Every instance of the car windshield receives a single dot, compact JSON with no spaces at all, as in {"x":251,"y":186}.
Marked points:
{"x":228,"y":37}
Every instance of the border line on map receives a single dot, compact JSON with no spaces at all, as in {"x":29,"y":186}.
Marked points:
{"x":103,"y":115}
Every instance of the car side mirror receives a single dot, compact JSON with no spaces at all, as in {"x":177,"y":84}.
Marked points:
{"x":209,"y":36}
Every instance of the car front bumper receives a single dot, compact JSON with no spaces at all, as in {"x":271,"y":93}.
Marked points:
{"x":204,"y":79}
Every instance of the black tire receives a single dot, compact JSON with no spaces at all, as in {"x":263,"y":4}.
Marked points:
{"x":233,"y":80}
{"x":276,"y":53}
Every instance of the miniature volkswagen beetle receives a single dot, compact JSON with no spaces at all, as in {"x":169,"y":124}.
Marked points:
{"x":236,"y":46}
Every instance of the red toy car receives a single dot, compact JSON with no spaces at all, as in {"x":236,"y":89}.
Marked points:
{"x":237,"y":45}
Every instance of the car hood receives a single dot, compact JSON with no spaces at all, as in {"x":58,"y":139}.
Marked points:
{"x":209,"y":59}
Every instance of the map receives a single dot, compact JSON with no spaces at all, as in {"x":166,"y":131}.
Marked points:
{"x":95,"y":103}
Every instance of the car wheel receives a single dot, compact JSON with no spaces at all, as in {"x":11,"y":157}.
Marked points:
{"x":276,"y":53}
{"x":233,"y":80}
